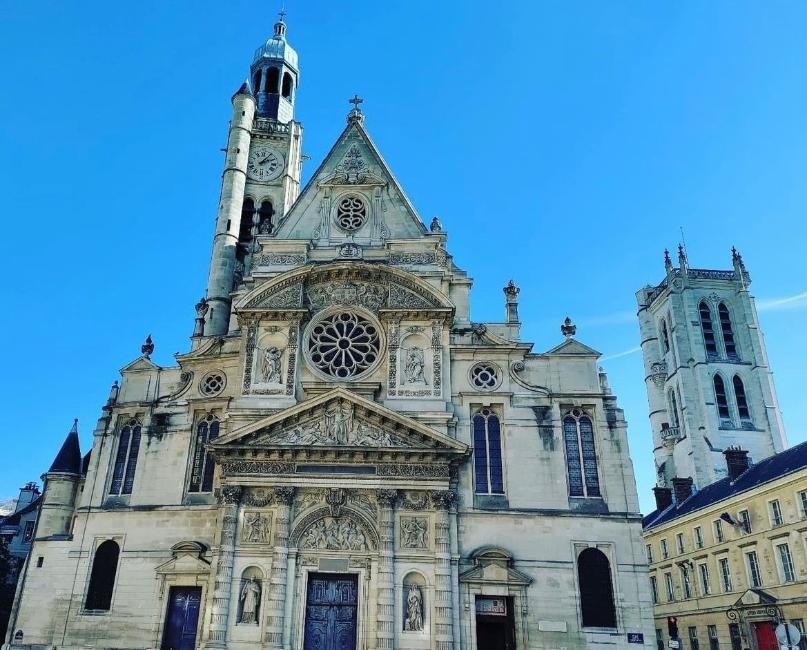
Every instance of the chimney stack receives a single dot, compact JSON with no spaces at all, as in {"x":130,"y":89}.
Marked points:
{"x":663,"y":497}
{"x":736,"y":461}
{"x":682,"y":487}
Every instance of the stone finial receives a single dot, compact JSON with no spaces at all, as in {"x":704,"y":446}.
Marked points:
{"x":739,"y":265}
{"x":436,"y":226}
{"x":511,"y":303}
{"x":668,"y":265}
{"x":148,"y":347}
{"x":682,"y":258}
{"x":355,"y":115}
{"x":568,"y":329}
{"x":511,"y":290}
{"x":113,"y":393}
{"x":201,"y":309}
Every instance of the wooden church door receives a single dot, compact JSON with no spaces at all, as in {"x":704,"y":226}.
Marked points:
{"x":182,"y":618}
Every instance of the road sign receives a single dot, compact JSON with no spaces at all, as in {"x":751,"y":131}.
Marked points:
{"x":787,"y":634}
{"x":635,"y":637}
{"x":675,"y":644}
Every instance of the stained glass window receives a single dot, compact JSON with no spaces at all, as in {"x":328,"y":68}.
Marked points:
{"x":123,"y":472}
{"x":581,"y":455}
{"x":202,"y":467}
{"x":488,"y":453}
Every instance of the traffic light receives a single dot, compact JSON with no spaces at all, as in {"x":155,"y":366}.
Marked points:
{"x":672,"y":626}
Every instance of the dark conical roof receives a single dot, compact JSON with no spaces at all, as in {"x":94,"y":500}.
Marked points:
{"x":243,"y":90}
{"x":68,"y":460}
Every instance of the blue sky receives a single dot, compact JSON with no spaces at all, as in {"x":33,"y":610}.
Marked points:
{"x":562,"y":144}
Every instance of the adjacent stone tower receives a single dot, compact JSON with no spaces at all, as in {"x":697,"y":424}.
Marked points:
{"x":708,"y":382}
{"x":261,"y":177}
{"x":60,"y":489}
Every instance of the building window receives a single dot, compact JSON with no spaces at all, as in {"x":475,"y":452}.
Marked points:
{"x":720,"y":398}
{"x":803,"y":503}
{"x":102,"y":578}
{"x":665,"y":552}
{"x":665,"y":336}
{"x":649,"y":548}
{"x":686,"y":582}
{"x":745,"y":520}
{"x":488,"y":453}
{"x":714,"y":643}
{"x":739,"y":396}
{"x":785,"y":563}
{"x":693,"y":638}
{"x":673,"y":405}
{"x":28,"y":533}
{"x":123,"y":472}
{"x":728,"y":334}
{"x":698,"y":537}
{"x":256,"y":81}
{"x":704,"y":571}
{"x":718,"y":529}
{"x":272,"y":80}
{"x":596,"y":590}
{"x":734,"y":635}
{"x":798,"y":623}
{"x":287,"y":86}
{"x":776,"y":513}
{"x":679,"y":542}
{"x":581,"y":456}
{"x":659,"y":639}
{"x":247,"y":216}
{"x":709,"y":341}
{"x":654,"y":589}
{"x":668,"y":582}
{"x":265,"y":213}
{"x":202,"y":468}
{"x":725,"y":574}
{"x":754,"y":576}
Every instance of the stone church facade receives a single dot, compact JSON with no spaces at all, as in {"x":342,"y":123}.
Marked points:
{"x":343,"y":459}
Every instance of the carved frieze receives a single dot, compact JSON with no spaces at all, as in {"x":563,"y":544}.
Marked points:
{"x":413,"y":500}
{"x":279,"y":259}
{"x":414,"y":471}
{"x":403,"y":298}
{"x":335,"y":534}
{"x":414,"y":532}
{"x":347,"y":292}
{"x":229,"y":494}
{"x":234,"y":467}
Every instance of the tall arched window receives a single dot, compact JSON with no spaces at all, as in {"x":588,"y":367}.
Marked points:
{"x":665,"y":336}
{"x":287,"y":83}
{"x":725,"y":327}
{"x":708,"y":330}
{"x":102,"y":578}
{"x":265,"y":213}
{"x":581,"y":455}
{"x":123,"y":472}
{"x":272,"y":80}
{"x":247,"y":214}
{"x":720,"y":398}
{"x":256,"y":83}
{"x":202,"y":468}
{"x":488,"y":453}
{"x":739,"y":396}
{"x":596,"y":590}
{"x":673,"y":406}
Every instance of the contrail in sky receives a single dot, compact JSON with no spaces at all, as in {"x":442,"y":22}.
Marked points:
{"x":796,"y":301}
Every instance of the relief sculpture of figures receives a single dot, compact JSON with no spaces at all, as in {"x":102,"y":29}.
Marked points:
{"x":336,"y":534}
{"x":414,"y":367}
{"x":413,"y":532}
{"x":256,"y":528}
{"x":339,"y":422}
{"x":250,"y":599}
{"x":270,"y":365}
{"x":414,"y":610}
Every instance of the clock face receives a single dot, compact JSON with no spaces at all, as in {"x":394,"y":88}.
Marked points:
{"x":264,"y":164}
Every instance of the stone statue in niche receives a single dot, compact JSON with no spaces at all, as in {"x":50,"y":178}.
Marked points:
{"x":413,"y":532}
{"x":414,"y":366}
{"x":335,"y":535}
{"x":414,"y":610}
{"x":250,"y":601}
{"x":256,"y":528}
{"x":269,"y":371}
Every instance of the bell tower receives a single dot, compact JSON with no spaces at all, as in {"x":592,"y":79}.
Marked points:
{"x":709,"y":385}
{"x":261,"y":177}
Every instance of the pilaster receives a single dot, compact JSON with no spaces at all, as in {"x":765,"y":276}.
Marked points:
{"x":229,"y":498}
{"x":276,"y":605}
{"x":385,"y":617}
{"x":443,"y":598}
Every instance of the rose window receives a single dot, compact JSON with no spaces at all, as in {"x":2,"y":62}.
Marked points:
{"x":212,"y":384}
{"x":484,"y":376}
{"x":351,"y":213}
{"x":343,"y":345}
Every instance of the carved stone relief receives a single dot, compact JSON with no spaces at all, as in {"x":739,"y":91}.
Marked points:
{"x":414,"y":532}
{"x":256,"y":528}
{"x":334,"y":534}
{"x":413,"y":616}
{"x":347,"y":292}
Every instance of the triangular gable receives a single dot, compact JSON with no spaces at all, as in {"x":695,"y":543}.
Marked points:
{"x":573,"y":347}
{"x":340,"y":418}
{"x":755,"y":597}
{"x":141,"y":364}
{"x":354,"y":161}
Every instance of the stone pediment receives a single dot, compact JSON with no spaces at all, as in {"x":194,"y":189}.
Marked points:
{"x":755,"y":597}
{"x":187,"y":558}
{"x":340,"y":419}
{"x":141,"y":364}
{"x":573,"y":347}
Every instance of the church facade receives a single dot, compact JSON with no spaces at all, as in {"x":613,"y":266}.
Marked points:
{"x":343,"y":459}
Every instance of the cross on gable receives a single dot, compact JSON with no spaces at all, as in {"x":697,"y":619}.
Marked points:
{"x":355,"y":101}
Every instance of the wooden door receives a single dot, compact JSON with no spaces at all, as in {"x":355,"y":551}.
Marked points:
{"x":766,"y":636}
{"x":181,"y":618}
{"x":330,"y":612}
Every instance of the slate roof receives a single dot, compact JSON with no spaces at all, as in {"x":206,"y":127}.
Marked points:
{"x":14,"y":519}
{"x":68,"y":460}
{"x":784,"y":463}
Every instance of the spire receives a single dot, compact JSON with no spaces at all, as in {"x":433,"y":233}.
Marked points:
{"x":682,"y":258}
{"x":280,"y":25}
{"x":68,"y":460}
{"x":739,"y":266}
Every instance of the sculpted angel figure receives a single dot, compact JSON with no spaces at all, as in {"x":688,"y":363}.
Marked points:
{"x":270,"y":365}
{"x":414,"y":366}
{"x":250,"y":598}
{"x":414,"y":610}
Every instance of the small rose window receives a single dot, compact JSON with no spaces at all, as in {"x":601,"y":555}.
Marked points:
{"x":344,"y":345}
{"x":485,"y":376}
{"x":351,"y":213}
{"x":212,"y":384}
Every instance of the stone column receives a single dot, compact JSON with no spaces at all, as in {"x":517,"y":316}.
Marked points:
{"x":443,"y":598}
{"x":276,"y":602}
{"x":229,"y":496}
{"x":385,"y":617}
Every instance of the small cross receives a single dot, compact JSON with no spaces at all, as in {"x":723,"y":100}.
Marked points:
{"x":281,"y":14}
{"x":355,"y":101}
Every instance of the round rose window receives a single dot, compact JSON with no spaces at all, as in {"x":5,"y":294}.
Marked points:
{"x":343,"y":345}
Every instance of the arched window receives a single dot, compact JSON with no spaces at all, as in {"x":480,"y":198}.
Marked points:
{"x":256,"y":84}
{"x":272,"y":80}
{"x":102,"y":578}
{"x":287,"y":83}
{"x":247,"y":213}
{"x":708,"y":330}
{"x":488,"y":453}
{"x":720,"y":398}
{"x":739,"y":396}
{"x":581,"y":455}
{"x":123,"y":472}
{"x":665,"y":337}
{"x":202,"y":468}
{"x":725,"y":327}
{"x":673,"y":406}
{"x":596,"y":590}
{"x":265,"y":213}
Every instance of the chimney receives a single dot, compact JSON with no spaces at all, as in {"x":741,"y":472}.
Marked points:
{"x":663,"y":497}
{"x":736,"y":461}
{"x":682,"y":488}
